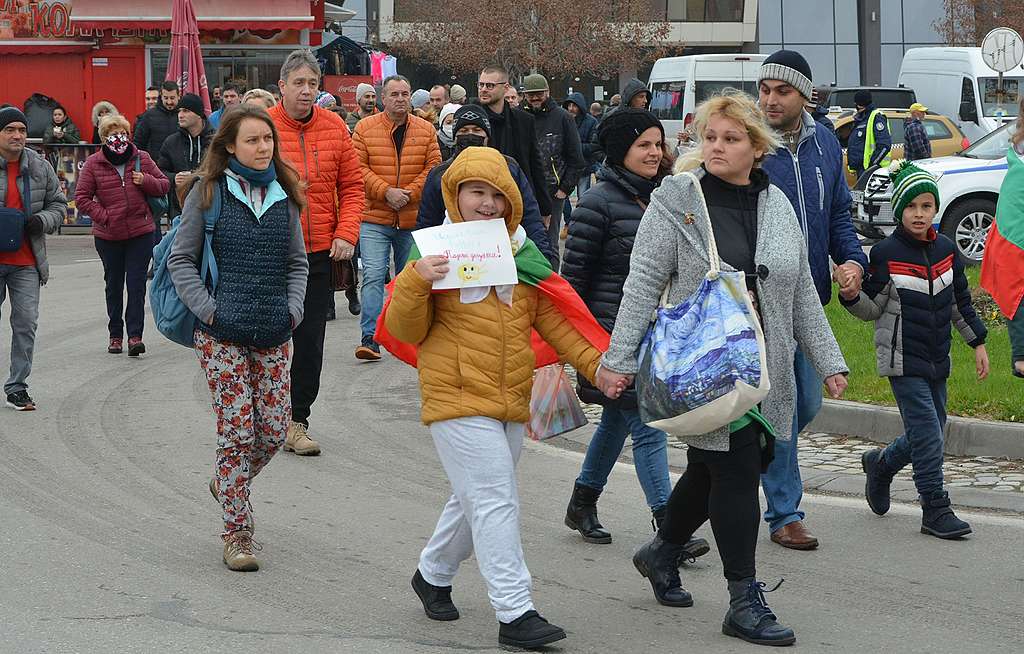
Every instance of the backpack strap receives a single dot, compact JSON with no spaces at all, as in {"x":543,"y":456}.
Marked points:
{"x":208,"y":273}
{"x":138,"y":163}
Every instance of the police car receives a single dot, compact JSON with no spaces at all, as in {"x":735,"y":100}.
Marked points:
{"x":968,"y":190}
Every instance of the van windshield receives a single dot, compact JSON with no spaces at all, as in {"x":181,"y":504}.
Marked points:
{"x":704,"y":89}
{"x":989,"y":88}
{"x":667,"y":100}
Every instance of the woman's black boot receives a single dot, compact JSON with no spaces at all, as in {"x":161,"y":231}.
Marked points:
{"x":749,"y":617}
{"x":581,"y":515}
{"x":659,"y":562}
{"x":694,"y":548}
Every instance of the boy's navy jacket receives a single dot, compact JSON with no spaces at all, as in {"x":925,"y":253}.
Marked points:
{"x":914,"y":291}
{"x":815,"y":184}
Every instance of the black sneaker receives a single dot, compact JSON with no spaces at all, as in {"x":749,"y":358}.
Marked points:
{"x":528,"y":631}
{"x":20,"y":401}
{"x":437,"y":600}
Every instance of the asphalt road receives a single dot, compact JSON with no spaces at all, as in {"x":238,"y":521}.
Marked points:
{"x":109,"y":535}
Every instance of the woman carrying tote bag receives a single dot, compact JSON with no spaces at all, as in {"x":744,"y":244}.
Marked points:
{"x":756,"y":231}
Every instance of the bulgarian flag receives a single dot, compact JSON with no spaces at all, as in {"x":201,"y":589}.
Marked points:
{"x":532,"y":268}
{"x":1002,"y":268}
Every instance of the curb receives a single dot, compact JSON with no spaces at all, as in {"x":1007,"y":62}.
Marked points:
{"x":964,"y":436}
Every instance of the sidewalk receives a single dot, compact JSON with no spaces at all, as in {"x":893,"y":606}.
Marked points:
{"x":831,"y":464}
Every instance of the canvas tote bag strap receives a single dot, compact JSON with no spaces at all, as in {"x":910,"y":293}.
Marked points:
{"x":716,"y":263}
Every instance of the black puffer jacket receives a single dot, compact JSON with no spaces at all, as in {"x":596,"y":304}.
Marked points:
{"x":596,"y":261}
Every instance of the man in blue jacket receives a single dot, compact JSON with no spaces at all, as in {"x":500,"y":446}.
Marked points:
{"x":472,"y":128}
{"x":809,"y":170}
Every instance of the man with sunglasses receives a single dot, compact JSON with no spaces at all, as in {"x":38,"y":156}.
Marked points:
{"x":512,"y":133}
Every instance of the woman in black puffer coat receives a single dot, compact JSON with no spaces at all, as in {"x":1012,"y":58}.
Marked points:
{"x":596,"y":264}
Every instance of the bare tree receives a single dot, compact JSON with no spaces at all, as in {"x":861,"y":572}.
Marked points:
{"x":966,"y":22}
{"x":558,"y":37}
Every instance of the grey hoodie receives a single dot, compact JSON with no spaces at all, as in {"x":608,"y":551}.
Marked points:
{"x":670,"y":249}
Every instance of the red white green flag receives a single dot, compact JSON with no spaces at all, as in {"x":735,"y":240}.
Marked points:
{"x":1002,"y":268}
{"x":532,"y":268}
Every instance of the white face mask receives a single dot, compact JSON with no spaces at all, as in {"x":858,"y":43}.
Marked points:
{"x":447,"y":129}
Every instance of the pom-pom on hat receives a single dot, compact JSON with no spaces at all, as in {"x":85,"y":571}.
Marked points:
{"x":908,"y":182}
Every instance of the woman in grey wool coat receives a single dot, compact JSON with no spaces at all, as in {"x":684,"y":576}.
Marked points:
{"x":756,"y":231}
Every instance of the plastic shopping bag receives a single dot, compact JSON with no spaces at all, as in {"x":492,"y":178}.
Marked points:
{"x":554,"y":408}
{"x":703,"y":363}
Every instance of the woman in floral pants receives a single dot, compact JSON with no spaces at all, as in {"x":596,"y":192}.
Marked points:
{"x":245,"y":322}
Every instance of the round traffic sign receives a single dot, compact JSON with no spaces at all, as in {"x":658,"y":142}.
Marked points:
{"x":1002,"y":49}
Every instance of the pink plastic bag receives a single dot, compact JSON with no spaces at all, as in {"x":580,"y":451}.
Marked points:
{"x":554,"y":408}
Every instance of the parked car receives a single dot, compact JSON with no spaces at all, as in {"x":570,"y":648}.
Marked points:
{"x":968,"y":190}
{"x":679,"y":84}
{"x":957,"y":82}
{"x":945,"y":137}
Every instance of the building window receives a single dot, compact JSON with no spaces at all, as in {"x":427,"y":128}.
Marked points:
{"x":256,"y":68}
{"x":705,"y":11}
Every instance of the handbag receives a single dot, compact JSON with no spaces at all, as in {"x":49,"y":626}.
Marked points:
{"x":343,"y":275}
{"x":12,"y":221}
{"x":554,"y":408}
{"x":703,"y":362}
{"x":157,"y":203}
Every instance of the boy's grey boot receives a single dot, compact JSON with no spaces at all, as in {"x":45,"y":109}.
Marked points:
{"x":938,"y":518}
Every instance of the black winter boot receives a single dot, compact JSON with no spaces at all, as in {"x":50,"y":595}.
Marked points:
{"x":528,"y":631}
{"x":939,"y":519}
{"x":659,"y":562}
{"x":437,"y":600}
{"x":694,"y":548}
{"x":879,"y":479}
{"x":581,"y":515}
{"x":749,"y":617}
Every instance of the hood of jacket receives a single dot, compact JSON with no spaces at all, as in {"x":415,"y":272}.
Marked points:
{"x":634,"y":88}
{"x":577,"y":99}
{"x":482,"y":164}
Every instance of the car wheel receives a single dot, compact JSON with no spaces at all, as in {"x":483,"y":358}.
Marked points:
{"x":967,"y":225}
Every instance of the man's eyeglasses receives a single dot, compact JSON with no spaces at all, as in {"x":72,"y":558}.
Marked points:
{"x":490,"y":85}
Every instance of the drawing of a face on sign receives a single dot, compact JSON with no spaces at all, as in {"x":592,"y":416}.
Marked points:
{"x":470,"y":272}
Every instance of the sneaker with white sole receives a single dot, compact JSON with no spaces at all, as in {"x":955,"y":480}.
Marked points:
{"x":20,"y":401}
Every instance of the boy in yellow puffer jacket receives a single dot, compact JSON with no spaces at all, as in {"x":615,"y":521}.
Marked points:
{"x":476,"y":373}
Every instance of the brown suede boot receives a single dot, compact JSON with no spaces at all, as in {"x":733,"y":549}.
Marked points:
{"x":238,"y":548}
{"x":298,"y":441}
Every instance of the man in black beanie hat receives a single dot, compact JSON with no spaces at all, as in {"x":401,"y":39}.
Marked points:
{"x":870,"y":140}
{"x":183,"y":151}
{"x":809,"y":170}
{"x":31,"y":206}
{"x":473,"y":128}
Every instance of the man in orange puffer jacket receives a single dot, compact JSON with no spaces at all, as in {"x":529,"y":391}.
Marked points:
{"x":316,"y":143}
{"x":396,"y":151}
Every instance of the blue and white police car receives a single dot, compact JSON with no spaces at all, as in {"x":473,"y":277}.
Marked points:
{"x":968,"y":188}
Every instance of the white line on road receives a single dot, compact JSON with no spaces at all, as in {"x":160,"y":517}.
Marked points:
{"x":809,"y":497}
{"x":86,"y":260}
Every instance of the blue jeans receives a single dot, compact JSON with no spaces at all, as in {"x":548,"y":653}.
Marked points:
{"x":581,"y":187}
{"x":22,"y":283}
{"x":376,"y":243}
{"x":922,"y":404}
{"x":649,"y":454}
{"x":782,"y":485}
{"x":1016,"y":329}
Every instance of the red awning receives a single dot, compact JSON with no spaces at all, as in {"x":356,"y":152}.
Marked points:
{"x":43,"y":46}
{"x":210,"y":14}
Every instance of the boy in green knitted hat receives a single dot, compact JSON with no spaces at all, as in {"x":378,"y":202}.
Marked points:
{"x":914,"y":290}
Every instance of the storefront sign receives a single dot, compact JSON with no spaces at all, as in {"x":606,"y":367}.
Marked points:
{"x":344,"y":86}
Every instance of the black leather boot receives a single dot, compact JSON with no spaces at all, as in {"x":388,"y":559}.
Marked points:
{"x":878,"y":480}
{"x":694,"y":548}
{"x":581,"y":515}
{"x":659,"y":562}
{"x":749,"y":617}
{"x":938,"y":518}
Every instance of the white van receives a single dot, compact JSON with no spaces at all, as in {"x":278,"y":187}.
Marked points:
{"x":957,"y":83}
{"x":679,"y":84}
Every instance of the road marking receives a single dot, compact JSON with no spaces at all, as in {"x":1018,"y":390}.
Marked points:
{"x":842,"y":501}
{"x":86,"y":260}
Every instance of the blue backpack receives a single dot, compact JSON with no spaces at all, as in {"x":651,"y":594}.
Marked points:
{"x":172,"y":317}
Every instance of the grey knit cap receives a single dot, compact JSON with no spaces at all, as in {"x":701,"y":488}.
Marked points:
{"x":790,"y":67}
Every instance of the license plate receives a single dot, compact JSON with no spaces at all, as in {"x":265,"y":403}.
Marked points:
{"x":858,"y":196}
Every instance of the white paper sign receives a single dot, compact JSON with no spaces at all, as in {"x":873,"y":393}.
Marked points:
{"x":479,"y":253}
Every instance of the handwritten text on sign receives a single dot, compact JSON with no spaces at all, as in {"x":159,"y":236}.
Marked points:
{"x":479,"y":253}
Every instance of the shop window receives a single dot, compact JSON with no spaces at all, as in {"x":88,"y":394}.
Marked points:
{"x":705,"y":11}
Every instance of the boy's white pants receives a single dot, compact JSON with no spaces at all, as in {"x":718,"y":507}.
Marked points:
{"x":480,"y":455}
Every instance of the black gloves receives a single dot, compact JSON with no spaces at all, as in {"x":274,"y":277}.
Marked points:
{"x":33,"y":225}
